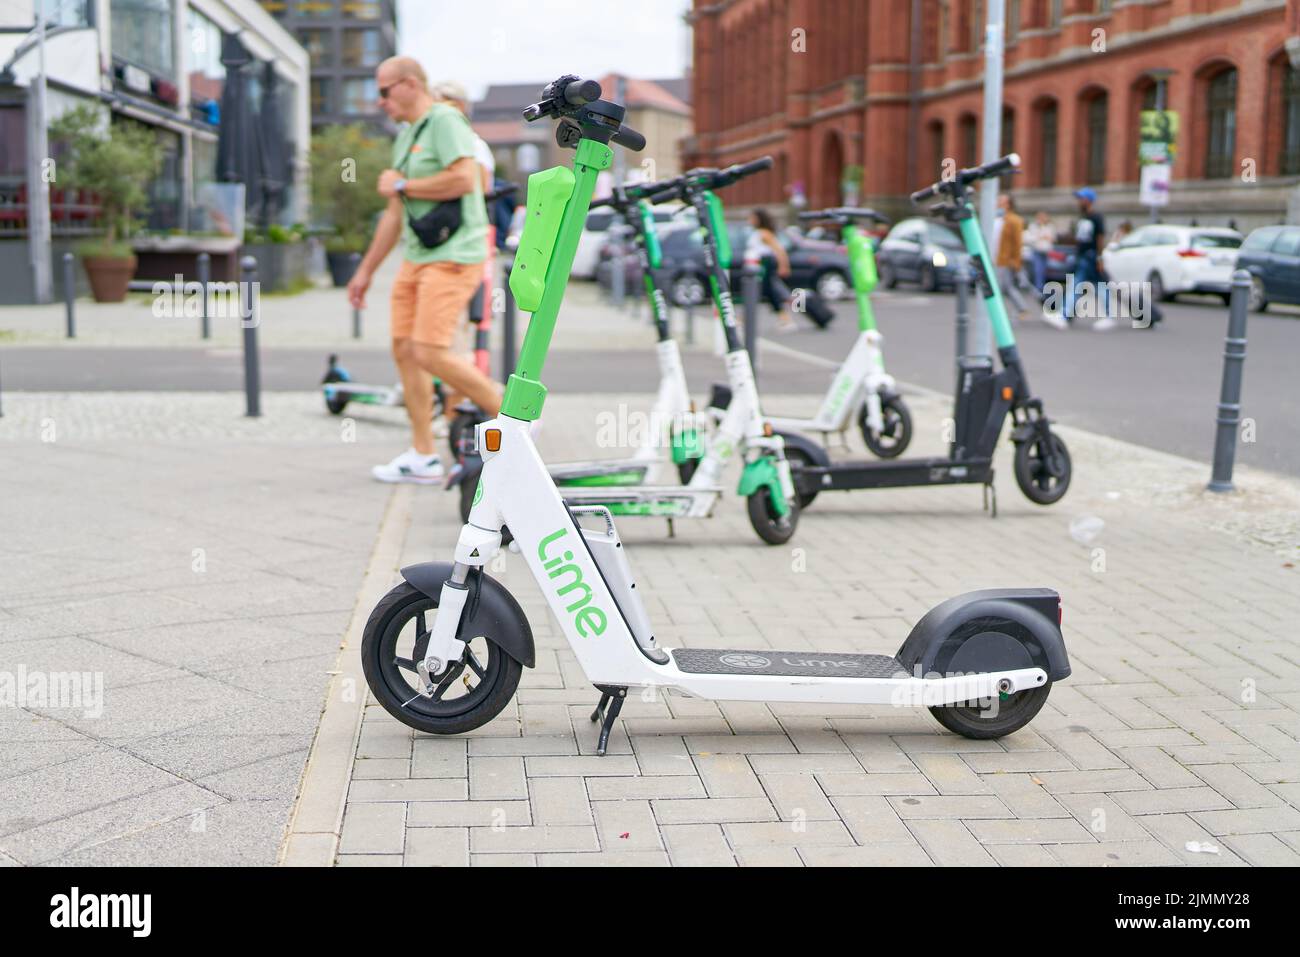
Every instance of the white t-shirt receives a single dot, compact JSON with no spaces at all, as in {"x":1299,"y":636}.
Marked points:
{"x":483,"y":154}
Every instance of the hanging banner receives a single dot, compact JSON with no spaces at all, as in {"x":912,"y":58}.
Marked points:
{"x":1158,"y":139}
{"x":1154,"y":186}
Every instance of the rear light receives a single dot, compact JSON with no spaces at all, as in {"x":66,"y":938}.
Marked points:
{"x":1190,"y":254}
{"x":1056,"y":257}
{"x":1060,"y":613}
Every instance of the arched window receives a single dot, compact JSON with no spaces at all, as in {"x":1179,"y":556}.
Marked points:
{"x":968,"y":140}
{"x":1221,"y":125}
{"x":1047,"y":138}
{"x":1289,"y":161}
{"x":1097,"y":114}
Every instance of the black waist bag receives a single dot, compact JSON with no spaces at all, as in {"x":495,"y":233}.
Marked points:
{"x":437,"y":225}
{"x":440,"y":223}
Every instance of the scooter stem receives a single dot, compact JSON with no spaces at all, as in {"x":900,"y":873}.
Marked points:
{"x":525,"y":393}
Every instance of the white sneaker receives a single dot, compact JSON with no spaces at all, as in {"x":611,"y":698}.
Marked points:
{"x":411,"y":466}
{"x":1056,"y":320}
{"x":1104,"y":324}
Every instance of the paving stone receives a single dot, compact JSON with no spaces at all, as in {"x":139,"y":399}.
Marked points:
{"x":559,"y":801}
{"x":626,"y":826}
{"x":697,"y":845}
{"x":1172,"y":800}
{"x":713,"y":810}
{"x":950,"y":844}
{"x":468,"y":814}
{"x":540,"y":839}
{"x":373,"y":829}
{"x":408,"y":789}
{"x":437,"y":847}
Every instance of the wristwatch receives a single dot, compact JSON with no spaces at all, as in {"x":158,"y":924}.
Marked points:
{"x":400,"y":187}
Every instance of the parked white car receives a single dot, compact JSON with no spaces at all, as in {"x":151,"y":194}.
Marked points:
{"x":1175,"y":259}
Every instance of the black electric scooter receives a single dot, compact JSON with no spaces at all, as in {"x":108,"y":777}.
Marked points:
{"x":984,"y":397}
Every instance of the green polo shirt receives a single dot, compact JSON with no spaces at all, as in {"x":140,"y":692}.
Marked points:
{"x":444,"y":137}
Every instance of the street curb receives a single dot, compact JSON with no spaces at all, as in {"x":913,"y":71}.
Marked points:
{"x":316,"y":822}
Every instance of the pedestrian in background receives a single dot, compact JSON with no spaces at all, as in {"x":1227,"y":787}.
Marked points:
{"x":1041,"y":237}
{"x":453,"y":94}
{"x":1011,"y":252}
{"x":764,"y":248}
{"x":434,"y":166}
{"x":1089,"y":241}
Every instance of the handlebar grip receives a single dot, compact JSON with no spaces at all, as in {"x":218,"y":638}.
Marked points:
{"x":646,"y":190}
{"x":602,"y":202}
{"x":757,"y":166}
{"x":581,"y":92}
{"x":997,"y":168}
{"x":921,"y":195}
{"x":672,"y":192}
{"x":630,"y":139}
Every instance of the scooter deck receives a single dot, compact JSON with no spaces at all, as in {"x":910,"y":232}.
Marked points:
{"x":844,"y":476}
{"x":614,"y":472}
{"x":785,"y":664}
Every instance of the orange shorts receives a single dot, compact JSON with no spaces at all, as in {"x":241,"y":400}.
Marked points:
{"x":429,"y":298}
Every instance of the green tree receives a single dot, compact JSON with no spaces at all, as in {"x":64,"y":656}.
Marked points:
{"x":115,"y":161}
{"x":346,"y":161}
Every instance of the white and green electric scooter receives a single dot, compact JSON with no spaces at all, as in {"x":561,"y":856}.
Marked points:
{"x":741,"y":430}
{"x":444,"y":650}
{"x":862,"y":392}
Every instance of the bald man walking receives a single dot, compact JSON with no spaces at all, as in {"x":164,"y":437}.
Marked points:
{"x":433,"y":162}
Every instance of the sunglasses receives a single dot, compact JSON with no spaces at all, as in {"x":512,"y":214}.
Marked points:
{"x":385,"y":90}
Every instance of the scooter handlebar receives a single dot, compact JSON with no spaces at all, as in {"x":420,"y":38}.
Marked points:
{"x":629,"y":139}
{"x":563,"y":95}
{"x":845,"y":212}
{"x":999,"y":167}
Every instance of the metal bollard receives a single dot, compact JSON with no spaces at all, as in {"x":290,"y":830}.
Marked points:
{"x":249,"y":314}
{"x":205,"y":278}
{"x":749,"y":291}
{"x":508,"y":326}
{"x":1234,"y":370}
{"x":963,"y":281}
{"x":70,"y":292}
{"x":690,"y":323}
{"x":356,"y":313}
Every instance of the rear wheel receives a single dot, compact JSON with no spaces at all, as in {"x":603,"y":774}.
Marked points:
{"x":469,"y":693}
{"x":1158,"y":293}
{"x":771,"y":528}
{"x":335,"y":403}
{"x":688,"y":290}
{"x":929,"y":278}
{"x":832,"y":285}
{"x":1258,"y":296}
{"x":1043,"y":468}
{"x":994,"y":719}
{"x":888,"y":277}
{"x":895,"y":436}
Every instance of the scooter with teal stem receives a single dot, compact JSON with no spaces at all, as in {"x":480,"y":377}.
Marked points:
{"x":444,"y":650}
{"x":985,"y":400}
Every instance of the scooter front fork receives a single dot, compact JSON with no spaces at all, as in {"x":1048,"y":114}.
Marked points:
{"x":474,"y":549}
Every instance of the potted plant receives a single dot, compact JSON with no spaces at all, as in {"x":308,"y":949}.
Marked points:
{"x":116,"y":162}
{"x":345,"y":165}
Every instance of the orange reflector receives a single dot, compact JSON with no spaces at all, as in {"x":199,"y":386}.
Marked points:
{"x":492,"y":439}
{"x":1006,"y":393}
{"x":767,"y":429}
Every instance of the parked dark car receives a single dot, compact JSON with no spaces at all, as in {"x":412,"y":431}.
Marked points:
{"x":1271,"y":254}
{"x":920,"y":251}
{"x":680,"y":271}
{"x":1060,"y":262}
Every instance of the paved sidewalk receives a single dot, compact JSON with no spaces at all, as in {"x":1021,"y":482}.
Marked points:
{"x":200,"y":567}
{"x":1175,"y":741}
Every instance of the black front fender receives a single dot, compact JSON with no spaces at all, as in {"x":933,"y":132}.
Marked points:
{"x":491,"y":610}
{"x":991,"y":630}
{"x":816,"y":454}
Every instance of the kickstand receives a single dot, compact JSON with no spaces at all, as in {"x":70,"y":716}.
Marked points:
{"x":991,"y":493}
{"x":612,"y":696}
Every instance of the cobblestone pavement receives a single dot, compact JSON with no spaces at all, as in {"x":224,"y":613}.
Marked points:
{"x":199,"y":568}
{"x":1175,"y":740}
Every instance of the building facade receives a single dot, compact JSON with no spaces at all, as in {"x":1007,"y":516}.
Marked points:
{"x":658,"y":108}
{"x":164,"y":64}
{"x":860,"y":100}
{"x":346,"y":40}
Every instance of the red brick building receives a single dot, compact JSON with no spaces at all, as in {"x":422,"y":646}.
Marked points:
{"x":869,"y":96}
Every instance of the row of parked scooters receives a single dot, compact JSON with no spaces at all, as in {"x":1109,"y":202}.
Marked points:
{"x":444,"y":651}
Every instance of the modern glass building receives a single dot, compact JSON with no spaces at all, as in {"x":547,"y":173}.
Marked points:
{"x":346,"y":39}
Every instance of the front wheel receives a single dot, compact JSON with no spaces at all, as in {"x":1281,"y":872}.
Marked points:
{"x":1043,"y":468}
{"x":468,"y":694}
{"x":895,"y":436}
{"x":995,"y":719}
{"x":832,"y":285}
{"x":929,"y":278}
{"x":771,"y":528}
